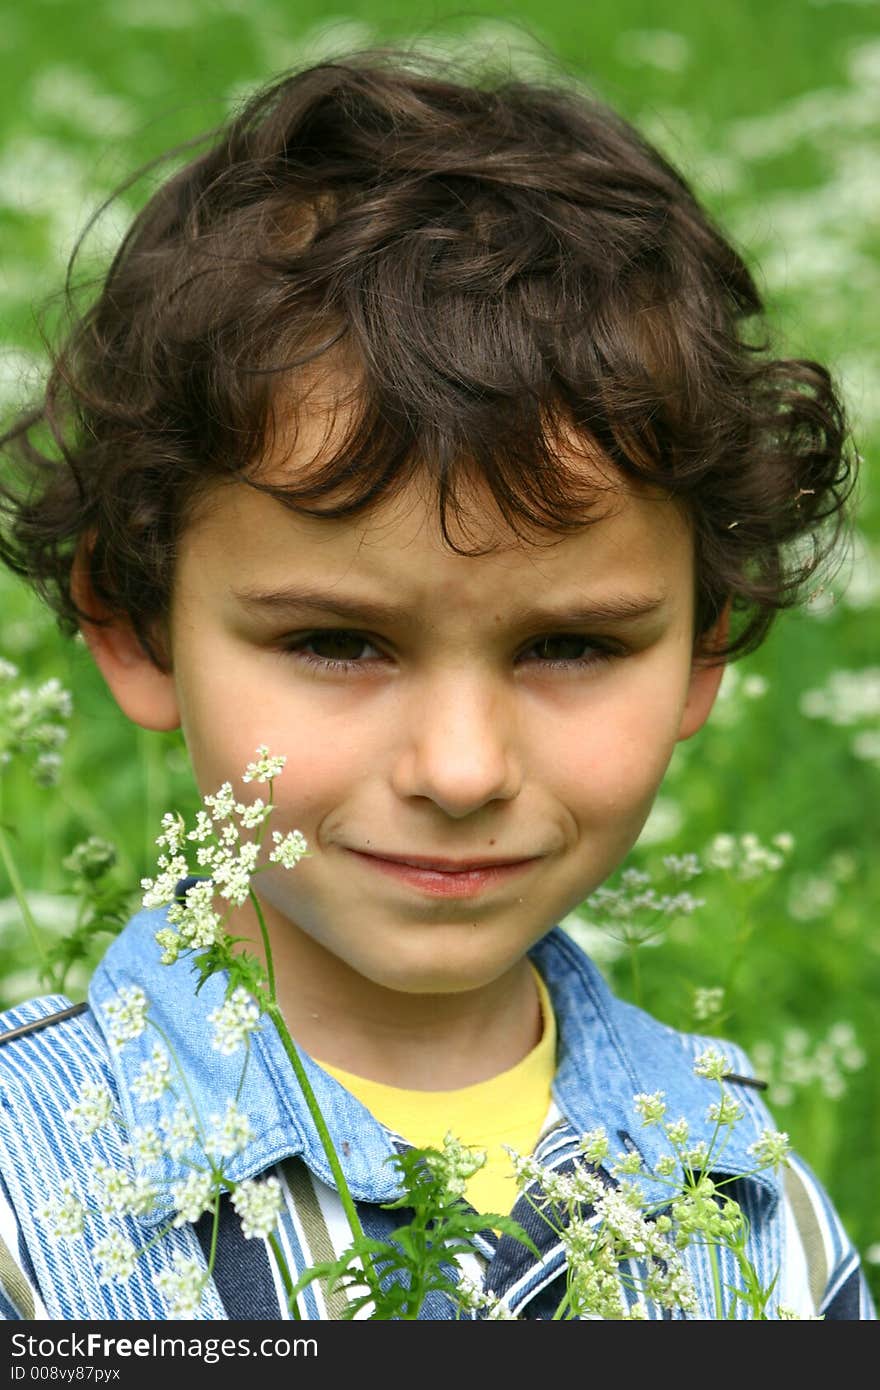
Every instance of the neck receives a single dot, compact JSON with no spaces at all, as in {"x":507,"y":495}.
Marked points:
{"x":417,"y":1041}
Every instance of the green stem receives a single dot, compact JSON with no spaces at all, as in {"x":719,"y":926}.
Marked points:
{"x":635,"y":971}
{"x":562,"y":1307}
{"x":285,"y":1276}
{"x":182,"y":1076}
{"x":314,"y":1109}
{"x":320,"y":1124}
{"x":716,"y":1282}
{"x":267,"y":946}
{"x":21,"y":897}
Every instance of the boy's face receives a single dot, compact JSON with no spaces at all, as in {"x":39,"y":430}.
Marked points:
{"x":473,"y":744}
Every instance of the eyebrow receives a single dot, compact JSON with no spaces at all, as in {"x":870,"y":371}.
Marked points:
{"x":369,"y":612}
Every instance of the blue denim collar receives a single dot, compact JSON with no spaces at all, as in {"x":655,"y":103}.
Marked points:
{"x":609,"y":1052}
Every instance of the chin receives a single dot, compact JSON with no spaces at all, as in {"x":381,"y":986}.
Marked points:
{"x":433,"y":977}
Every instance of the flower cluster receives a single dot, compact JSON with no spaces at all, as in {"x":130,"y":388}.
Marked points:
{"x":226,"y":861}
{"x":745,"y":857}
{"x":454,"y":1164}
{"x":798,"y":1062}
{"x":635,"y":911}
{"x":848,"y":699}
{"x":33,"y":724}
{"x":117,"y":1192}
{"x":626,"y":1253}
{"x":91,"y":859}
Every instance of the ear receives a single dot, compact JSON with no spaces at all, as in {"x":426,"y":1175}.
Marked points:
{"x":142,"y":690}
{"x":707,"y":673}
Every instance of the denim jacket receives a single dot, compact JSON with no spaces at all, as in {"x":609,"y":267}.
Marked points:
{"x":609,"y":1052}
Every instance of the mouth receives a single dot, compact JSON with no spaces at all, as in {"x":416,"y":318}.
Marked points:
{"x":449,"y":878}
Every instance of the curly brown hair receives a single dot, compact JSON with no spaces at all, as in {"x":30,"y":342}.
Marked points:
{"x":499,"y":261}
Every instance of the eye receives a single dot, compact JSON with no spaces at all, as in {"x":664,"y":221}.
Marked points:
{"x":567,"y":649}
{"x":333,"y":648}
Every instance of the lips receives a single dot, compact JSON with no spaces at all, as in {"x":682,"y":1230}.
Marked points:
{"x":440,"y":877}
{"x":446,"y":866}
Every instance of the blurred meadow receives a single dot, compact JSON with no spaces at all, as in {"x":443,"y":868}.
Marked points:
{"x":772,"y":109}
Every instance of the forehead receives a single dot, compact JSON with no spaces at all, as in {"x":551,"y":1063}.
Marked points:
{"x":407,"y":539}
{"x":244,"y":540}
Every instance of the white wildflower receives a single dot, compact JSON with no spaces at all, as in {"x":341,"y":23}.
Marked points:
{"x":117,"y":1191}
{"x":725,"y":1111}
{"x":222,"y":803}
{"x":697,"y":1155}
{"x":289,"y":849}
{"x":594,"y":1145}
{"x":91,"y":858}
{"x":65,"y":1213}
{"x":635,"y":878}
{"x":754,"y":687}
{"x":499,"y":1312}
{"x":116,"y":1258}
{"x":127,"y":1012}
{"x":170,"y":943}
{"x":677,"y":1132}
{"x":191,"y":1196}
{"x":47,"y":769}
{"x":154,"y":1075}
{"x":469,"y":1297}
{"x":708,"y":1002}
{"x":203,"y":828}
{"x":651,"y":1108}
{"x":771,"y":1148}
{"x":180,"y":1130}
{"x":585,"y":1185}
{"x":92,"y":1109}
{"x":527,"y":1169}
{"x":252,"y":814}
{"x":198,"y":925}
{"x":231,"y":873}
{"x":265,"y":768}
{"x":712,"y":1064}
{"x":233,"y":1021}
{"x":721,"y":852}
{"x":757,"y":858}
{"x":560,"y":1189}
{"x":182,"y":1285}
{"x":30,"y":721}
{"x":231,"y":1133}
{"x":258,"y":1205}
{"x":146,"y":1144}
{"x":847,"y":698}
{"x":627,"y":1164}
{"x":163,"y":889}
{"x":172,"y":834}
{"x":682,"y":866}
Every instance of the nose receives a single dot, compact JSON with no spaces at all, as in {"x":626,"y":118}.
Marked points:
{"x":458,"y":746}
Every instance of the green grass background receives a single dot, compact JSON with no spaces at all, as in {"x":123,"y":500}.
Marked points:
{"x":772,"y":107}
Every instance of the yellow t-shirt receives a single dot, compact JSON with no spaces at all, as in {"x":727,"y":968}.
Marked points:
{"x":507,"y":1109}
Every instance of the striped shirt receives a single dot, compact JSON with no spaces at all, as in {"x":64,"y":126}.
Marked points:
{"x":609,"y":1052}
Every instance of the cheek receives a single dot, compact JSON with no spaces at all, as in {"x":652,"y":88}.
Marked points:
{"x":614,"y":766}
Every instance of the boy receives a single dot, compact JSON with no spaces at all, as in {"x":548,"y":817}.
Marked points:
{"x":417,"y":435}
